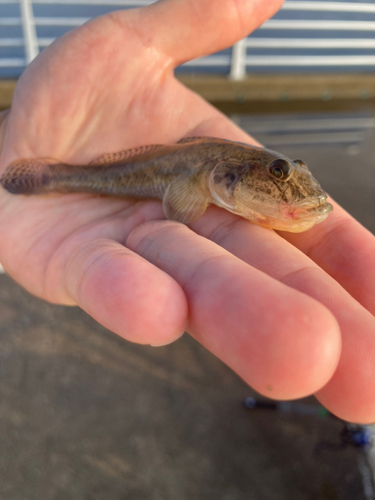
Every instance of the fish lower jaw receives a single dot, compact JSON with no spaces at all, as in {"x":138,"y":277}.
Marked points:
{"x":278,"y":224}
{"x":287,"y":222}
{"x":299,"y":213}
{"x":284,"y":220}
{"x":287,"y":226}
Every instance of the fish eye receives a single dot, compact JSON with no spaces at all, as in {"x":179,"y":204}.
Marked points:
{"x":279,"y":168}
{"x":300,"y":163}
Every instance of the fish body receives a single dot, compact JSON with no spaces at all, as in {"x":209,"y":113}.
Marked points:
{"x":256,"y":183}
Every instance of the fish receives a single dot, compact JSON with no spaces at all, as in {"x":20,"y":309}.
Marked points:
{"x":258,"y":184}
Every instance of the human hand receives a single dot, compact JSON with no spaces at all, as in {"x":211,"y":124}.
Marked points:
{"x":291,"y":314}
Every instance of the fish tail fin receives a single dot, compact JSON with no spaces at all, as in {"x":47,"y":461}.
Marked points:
{"x":27,"y":176}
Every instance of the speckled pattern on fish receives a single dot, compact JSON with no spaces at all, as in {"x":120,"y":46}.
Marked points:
{"x":258,"y":184}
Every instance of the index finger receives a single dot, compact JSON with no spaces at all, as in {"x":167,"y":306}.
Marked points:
{"x":282,"y":342}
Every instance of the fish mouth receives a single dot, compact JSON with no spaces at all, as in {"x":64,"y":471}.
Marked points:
{"x":294,"y":218}
{"x":317,"y":210}
{"x":300,"y":217}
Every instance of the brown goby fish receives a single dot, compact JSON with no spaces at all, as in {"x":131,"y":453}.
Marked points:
{"x":258,"y":184}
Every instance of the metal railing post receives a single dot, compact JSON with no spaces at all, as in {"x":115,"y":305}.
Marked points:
{"x":238,"y":61}
{"x":29,"y":31}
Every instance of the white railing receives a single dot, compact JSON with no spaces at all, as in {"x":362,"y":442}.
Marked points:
{"x":29,"y":31}
{"x":243,"y":54}
{"x":330,"y":6}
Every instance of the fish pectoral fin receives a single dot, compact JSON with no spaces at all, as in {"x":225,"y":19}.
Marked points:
{"x":185,"y":200}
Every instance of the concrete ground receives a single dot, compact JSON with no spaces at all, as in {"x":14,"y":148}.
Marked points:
{"x":85,"y":415}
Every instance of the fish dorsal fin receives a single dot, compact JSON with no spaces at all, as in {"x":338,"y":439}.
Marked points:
{"x":186,"y":140}
{"x":185,"y":199}
{"x":127,"y":154}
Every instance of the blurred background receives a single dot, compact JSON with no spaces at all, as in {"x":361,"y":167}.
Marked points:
{"x":87,"y":415}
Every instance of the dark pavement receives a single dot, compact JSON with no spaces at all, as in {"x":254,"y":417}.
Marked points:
{"x":86,"y":415}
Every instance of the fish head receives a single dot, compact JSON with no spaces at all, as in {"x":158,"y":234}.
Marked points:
{"x":271,"y":190}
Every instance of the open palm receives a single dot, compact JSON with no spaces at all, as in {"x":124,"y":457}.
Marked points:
{"x":289,"y":313}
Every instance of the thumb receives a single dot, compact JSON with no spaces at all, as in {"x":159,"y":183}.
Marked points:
{"x":187,"y":29}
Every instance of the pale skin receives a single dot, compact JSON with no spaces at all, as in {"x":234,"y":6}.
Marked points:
{"x":292,"y":314}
